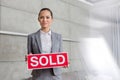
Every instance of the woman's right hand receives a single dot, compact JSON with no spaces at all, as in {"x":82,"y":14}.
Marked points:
{"x":26,"y":57}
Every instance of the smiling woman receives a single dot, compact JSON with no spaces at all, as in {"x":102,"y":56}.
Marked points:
{"x":45,"y":41}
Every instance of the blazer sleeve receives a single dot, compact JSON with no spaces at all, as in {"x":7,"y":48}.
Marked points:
{"x":29,"y":44}
{"x":61,"y":47}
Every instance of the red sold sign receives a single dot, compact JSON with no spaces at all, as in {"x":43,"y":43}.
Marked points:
{"x":40,"y":61}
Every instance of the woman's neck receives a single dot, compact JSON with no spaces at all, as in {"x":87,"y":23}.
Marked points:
{"x":45,"y":29}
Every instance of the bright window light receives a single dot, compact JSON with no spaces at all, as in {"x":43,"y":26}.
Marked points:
{"x":86,"y":2}
{"x":99,"y":60}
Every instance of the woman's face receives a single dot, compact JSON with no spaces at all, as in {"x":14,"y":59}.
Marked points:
{"x":45,"y":19}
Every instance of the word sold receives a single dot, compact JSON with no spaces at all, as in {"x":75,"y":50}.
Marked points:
{"x":40,"y":61}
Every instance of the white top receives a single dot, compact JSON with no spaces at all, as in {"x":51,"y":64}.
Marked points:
{"x":46,"y":41}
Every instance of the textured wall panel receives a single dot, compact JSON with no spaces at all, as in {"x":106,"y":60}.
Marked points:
{"x":79,"y":15}
{"x":18,"y":21}
{"x":12,"y":48}
{"x":62,"y":27}
{"x":32,"y":6}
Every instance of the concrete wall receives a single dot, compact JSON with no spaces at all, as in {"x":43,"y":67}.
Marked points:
{"x":19,"y":18}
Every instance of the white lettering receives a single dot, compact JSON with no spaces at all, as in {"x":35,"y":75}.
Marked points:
{"x":51,"y":62}
{"x":40,"y":60}
{"x":34,"y":60}
{"x":58,"y":59}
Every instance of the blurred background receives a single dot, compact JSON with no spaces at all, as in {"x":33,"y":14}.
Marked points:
{"x":90,"y":30}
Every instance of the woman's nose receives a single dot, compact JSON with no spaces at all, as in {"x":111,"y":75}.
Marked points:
{"x":44,"y":19}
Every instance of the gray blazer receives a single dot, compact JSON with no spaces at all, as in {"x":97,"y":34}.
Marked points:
{"x":34,"y":47}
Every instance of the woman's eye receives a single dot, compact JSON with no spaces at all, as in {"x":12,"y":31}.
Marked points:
{"x":47,"y":17}
{"x":41,"y":17}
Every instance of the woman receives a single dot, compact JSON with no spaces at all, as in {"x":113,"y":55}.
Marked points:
{"x":45,"y":41}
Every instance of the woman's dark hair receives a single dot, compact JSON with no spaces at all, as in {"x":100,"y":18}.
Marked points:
{"x":47,"y":10}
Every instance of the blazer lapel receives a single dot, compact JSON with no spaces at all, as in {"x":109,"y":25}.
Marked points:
{"x":39,"y":41}
{"x":53,"y":38}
